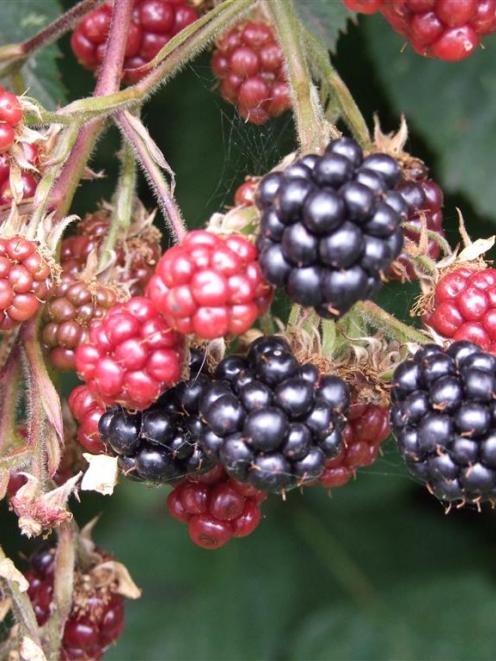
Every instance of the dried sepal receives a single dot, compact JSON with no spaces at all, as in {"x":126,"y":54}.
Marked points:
{"x":101,"y":475}
{"x":10,"y":573}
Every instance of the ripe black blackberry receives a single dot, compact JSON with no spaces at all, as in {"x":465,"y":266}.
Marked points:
{"x":330,"y":226}
{"x":160,"y":444}
{"x":271,"y":421}
{"x":444,"y":419}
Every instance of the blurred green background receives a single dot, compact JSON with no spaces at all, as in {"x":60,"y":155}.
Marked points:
{"x":375,"y":570}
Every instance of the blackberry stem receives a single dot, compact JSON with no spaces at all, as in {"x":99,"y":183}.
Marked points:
{"x":382,"y":320}
{"x":108,"y":82}
{"x":123,"y":204}
{"x":307,"y":111}
{"x":322,"y":67}
{"x":433,"y":236}
{"x":154,"y":175}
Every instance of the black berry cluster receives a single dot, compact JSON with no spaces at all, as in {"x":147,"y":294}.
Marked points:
{"x":271,"y":421}
{"x":330,"y":226}
{"x":160,"y":444}
{"x":444,"y":419}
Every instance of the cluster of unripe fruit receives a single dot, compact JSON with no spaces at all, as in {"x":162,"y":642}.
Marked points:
{"x":442,"y":29}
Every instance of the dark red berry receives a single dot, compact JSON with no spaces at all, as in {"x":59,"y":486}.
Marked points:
{"x":154,"y":23}
{"x":87,"y":411}
{"x":249,"y":63}
{"x":216,"y":508}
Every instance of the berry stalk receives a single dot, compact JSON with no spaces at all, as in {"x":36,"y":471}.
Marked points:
{"x":307,"y":111}
{"x":382,"y":320}
{"x":322,"y":67}
{"x":153,"y":173}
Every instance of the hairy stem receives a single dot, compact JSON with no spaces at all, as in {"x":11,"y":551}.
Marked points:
{"x":154,"y":175}
{"x":382,"y":320}
{"x":123,"y":204}
{"x":307,"y":111}
{"x":338,"y":91}
{"x":108,"y":82}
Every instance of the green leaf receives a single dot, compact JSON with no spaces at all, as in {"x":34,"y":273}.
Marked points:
{"x":20,"y":19}
{"x":325,"y":18}
{"x":451,"y":105}
{"x":446,"y":618}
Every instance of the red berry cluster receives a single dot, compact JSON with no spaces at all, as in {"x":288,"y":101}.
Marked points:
{"x":367,"y":428}
{"x":24,"y":281}
{"x":216,"y":508}
{"x":445,"y":29}
{"x":87,"y":412}
{"x":210,"y":285}
{"x":250,"y":65}
{"x":131,"y":356}
{"x":136,"y":257}
{"x":10,"y":117}
{"x":465,"y":307}
{"x":153,"y":24}
{"x":93,"y":625}
{"x":74,"y":306}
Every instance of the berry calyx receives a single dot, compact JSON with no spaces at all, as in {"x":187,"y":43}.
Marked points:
{"x":464,"y":307}
{"x":330,"y":226}
{"x":73,"y":307}
{"x":270,"y":421}
{"x":443,"y":420}
{"x":249,"y":63}
{"x":132,"y":355}
{"x":216,"y":508}
{"x":210,"y":285}
{"x":153,"y":24}
{"x":24,"y":281}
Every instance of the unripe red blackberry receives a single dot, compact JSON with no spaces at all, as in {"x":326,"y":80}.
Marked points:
{"x":132,"y":355}
{"x":210,"y":285}
{"x":216,"y":508}
{"x":96,"y":619}
{"x":136,"y":256}
{"x":446,"y":29}
{"x":73,"y":307}
{"x":24,"y":281}
{"x":160,"y":444}
{"x":366,"y":429}
{"x":424,"y":200}
{"x":250,"y":65}
{"x":464,"y":307}
{"x":271,"y":421}
{"x":245,"y":194}
{"x":444,"y":420}
{"x":87,"y":412}
{"x":153,"y":24}
{"x":330,"y":226}
{"x":10,"y":117}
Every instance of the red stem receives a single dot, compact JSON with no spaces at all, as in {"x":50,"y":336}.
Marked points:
{"x":154,"y":174}
{"x":108,"y":82}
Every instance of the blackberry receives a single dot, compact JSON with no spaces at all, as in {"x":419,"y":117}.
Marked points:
{"x":160,"y":444}
{"x":330,"y":226}
{"x":271,"y":421}
{"x":444,"y":420}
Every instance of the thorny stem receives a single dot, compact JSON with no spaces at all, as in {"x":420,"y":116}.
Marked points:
{"x":432,"y":236}
{"x":382,"y":320}
{"x":108,"y":82}
{"x":21,"y":604}
{"x":307,"y":111}
{"x":154,"y":175}
{"x":321,"y":66}
{"x":123,"y":204}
